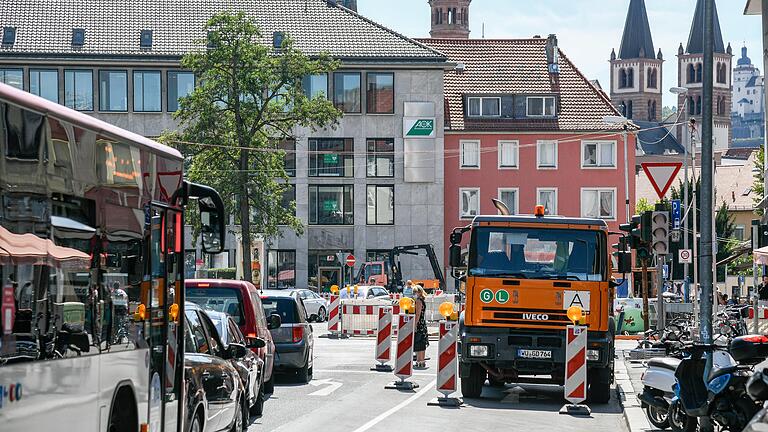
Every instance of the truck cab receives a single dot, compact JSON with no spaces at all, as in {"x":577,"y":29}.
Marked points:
{"x":521,"y":274}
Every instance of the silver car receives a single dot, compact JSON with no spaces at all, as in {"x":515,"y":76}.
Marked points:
{"x":294,"y":340}
{"x":315,"y":304}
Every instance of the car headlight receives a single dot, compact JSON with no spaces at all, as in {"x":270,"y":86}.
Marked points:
{"x":478,"y":351}
{"x":593,"y":355}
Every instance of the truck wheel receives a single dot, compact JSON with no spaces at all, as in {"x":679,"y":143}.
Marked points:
{"x":599,"y":386}
{"x":472,"y":386}
{"x":493,"y":382}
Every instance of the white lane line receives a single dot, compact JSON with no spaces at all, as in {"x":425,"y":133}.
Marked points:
{"x":396,"y":408}
{"x":334,"y":371}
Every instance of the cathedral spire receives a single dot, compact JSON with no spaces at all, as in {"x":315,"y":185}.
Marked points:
{"x":636,"y":41}
{"x":696,"y":38}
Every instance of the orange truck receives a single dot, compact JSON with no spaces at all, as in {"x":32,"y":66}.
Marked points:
{"x":520,"y":275}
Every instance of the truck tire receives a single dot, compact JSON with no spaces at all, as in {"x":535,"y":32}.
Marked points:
{"x":599,"y":386}
{"x":472,"y":385}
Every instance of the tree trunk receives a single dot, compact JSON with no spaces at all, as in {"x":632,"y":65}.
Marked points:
{"x":245,"y":216}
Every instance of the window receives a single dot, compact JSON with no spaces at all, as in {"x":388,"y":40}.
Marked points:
{"x":699,"y":71}
{"x":548,"y":198}
{"x":622,"y":78}
{"x":44,"y":83}
{"x":546,"y":154}
{"x":113,"y":90}
{"x":629,"y":110}
{"x":540,"y":106}
{"x":598,"y":154}
{"x":24,"y":132}
{"x":78,"y":89}
{"x":469,"y":202}
{"x":146,"y":91}
{"x":508,"y":154}
{"x":331,"y":157}
{"x":180,"y":84}
{"x":372,"y":255}
{"x":145,"y":39}
{"x":381,"y":205}
{"x":381,"y":158}
{"x":738,"y":232}
{"x":630,"y":77}
{"x":9,"y":35}
{"x":470,"y":154}
{"x":651,"y":81}
{"x":315,"y":86}
{"x":331,"y":205}
{"x":380,"y":96}
{"x":12,"y":77}
{"x":691,"y":74}
{"x":289,"y":160}
{"x":288,"y":199}
{"x":281,"y":269}
{"x":691,"y":106}
{"x":78,"y":37}
{"x":483,"y":106}
{"x":698,"y":105}
{"x":509,"y":197}
{"x":346,"y":91}
{"x":598,"y":203}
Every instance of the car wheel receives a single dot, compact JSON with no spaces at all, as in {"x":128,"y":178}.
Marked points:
{"x":322,"y":314}
{"x":304,"y":374}
{"x":472,"y":386}
{"x":258,"y":407}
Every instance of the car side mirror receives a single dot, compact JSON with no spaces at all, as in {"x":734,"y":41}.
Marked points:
{"x":256,"y":343}
{"x":274,"y":321}
{"x":454,"y":256}
{"x":237,"y":350}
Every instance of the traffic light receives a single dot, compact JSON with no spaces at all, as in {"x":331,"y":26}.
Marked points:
{"x":645,"y":226}
{"x":660,"y":232}
{"x":623,"y":255}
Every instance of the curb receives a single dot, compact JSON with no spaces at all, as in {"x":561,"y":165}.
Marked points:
{"x":633,"y":413}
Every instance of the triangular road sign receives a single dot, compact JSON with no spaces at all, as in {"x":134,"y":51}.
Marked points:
{"x":661,"y":175}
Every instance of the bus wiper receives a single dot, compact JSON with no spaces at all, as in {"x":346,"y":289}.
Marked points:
{"x":560,"y":277}
{"x":511,"y":275}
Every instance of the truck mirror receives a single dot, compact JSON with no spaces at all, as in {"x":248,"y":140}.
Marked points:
{"x":624,"y":261}
{"x":454,"y":252}
{"x":455,"y":238}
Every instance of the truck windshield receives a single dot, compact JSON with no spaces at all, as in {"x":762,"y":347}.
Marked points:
{"x":530,"y":253}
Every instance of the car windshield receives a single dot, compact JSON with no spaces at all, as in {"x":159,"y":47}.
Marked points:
{"x":285,"y":307}
{"x":227,"y":300}
{"x":530,"y":253}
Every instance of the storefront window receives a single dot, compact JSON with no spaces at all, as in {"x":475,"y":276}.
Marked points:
{"x":331,"y":157}
{"x":281,"y":269}
{"x":331,"y":205}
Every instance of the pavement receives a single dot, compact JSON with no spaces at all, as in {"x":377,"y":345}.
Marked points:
{"x":345,"y":395}
{"x":628,"y":386}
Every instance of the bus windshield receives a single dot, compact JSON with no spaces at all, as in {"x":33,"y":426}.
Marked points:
{"x":531,"y":253}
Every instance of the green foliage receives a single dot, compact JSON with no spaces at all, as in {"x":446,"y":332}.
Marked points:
{"x":643,"y":205}
{"x":758,"y":187}
{"x":249,"y":100}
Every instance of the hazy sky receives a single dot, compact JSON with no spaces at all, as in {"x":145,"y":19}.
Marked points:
{"x":587,"y":30}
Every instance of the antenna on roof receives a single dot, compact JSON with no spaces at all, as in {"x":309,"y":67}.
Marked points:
{"x":483,"y":32}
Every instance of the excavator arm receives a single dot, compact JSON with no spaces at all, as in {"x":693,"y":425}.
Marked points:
{"x":397,"y":275}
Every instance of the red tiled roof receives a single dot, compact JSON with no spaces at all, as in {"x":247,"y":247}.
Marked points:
{"x":518,"y":66}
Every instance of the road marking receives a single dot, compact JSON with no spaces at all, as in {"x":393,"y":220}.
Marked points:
{"x":332,"y":386}
{"x":427,"y":388}
{"x":366,"y":372}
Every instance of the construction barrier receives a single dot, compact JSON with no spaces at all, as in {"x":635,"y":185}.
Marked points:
{"x":575,"y":369}
{"x":359,"y":320}
{"x":447,"y":365}
{"x":404,"y":356}
{"x":334,"y":318}
{"x":383,"y":342}
{"x":432,"y":303}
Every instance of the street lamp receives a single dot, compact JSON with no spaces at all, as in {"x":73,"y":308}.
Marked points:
{"x":683,"y":91}
{"x":614,"y":121}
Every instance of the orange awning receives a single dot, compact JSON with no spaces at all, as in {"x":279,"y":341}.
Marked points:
{"x":33,"y":250}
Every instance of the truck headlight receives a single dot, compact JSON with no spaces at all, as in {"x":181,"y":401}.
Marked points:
{"x":593,"y":355}
{"x":478,"y":351}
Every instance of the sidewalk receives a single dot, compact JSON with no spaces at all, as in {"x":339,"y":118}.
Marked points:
{"x":629,"y":386}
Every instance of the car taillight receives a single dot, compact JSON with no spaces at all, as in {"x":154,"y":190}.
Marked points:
{"x":298,"y":334}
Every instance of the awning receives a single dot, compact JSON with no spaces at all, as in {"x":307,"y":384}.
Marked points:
{"x":33,"y":250}
{"x":761,"y":255}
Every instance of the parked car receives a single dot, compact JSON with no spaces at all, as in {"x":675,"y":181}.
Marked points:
{"x":314,"y":303}
{"x":294,"y":339}
{"x":250,"y":367}
{"x":216,"y":398}
{"x":367,"y":292}
{"x":241,"y":301}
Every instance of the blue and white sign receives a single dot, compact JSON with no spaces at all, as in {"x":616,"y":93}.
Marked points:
{"x":676,"y":214}
{"x":665,"y":272}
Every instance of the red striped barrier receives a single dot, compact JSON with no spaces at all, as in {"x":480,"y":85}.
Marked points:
{"x":383,"y":342}
{"x":448,"y":365}
{"x":762,"y":314}
{"x":404,"y":356}
{"x":334,"y":319}
{"x":576,"y":370}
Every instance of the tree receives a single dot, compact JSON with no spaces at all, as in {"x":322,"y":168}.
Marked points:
{"x":758,"y":187}
{"x":643,"y":206}
{"x":724,"y":227}
{"x":249,"y":100}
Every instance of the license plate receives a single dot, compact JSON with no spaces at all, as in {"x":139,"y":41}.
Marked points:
{"x":534,"y":354}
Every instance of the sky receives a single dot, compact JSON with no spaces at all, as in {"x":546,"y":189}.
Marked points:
{"x":587,"y":30}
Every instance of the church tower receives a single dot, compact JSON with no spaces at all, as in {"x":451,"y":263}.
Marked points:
{"x":636,"y":70}
{"x":450,"y":19}
{"x":690,"y":63}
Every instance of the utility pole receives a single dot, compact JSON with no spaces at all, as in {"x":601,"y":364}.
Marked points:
{"x":705,"y":329}
{"x":644,"y":282}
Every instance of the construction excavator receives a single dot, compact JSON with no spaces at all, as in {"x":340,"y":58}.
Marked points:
{"x":389,"y":275}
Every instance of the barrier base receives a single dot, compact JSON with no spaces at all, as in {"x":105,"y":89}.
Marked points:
{"x":337,"y":336}
{"x":402,"y":385}
{"x":576,"y":410}
{"x":446,"y":402}
{"x":382,"y":368}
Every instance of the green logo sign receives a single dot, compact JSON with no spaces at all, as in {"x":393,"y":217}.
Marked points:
{"x":330,"y":205}
{"x":331,"y":158}
{"x":502,"y":296}
{"x":486,"y":296}
{"x":422,"y":127}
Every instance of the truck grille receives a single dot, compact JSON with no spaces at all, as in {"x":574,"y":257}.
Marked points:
{"x":504,"y":315}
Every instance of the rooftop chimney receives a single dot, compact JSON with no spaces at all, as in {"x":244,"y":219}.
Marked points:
{"x":553,"y":54}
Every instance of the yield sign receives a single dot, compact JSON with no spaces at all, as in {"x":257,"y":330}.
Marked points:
{"x":661,"y":175}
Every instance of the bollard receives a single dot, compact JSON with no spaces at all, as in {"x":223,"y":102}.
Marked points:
{"x":447,"y":368}
{"x":334,"y":321}
{"x":383,"y":342}
{"x":576,"y":370}
{"x":404,"y":356}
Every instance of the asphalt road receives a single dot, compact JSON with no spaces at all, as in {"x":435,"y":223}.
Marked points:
{"x":346,"y":396}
